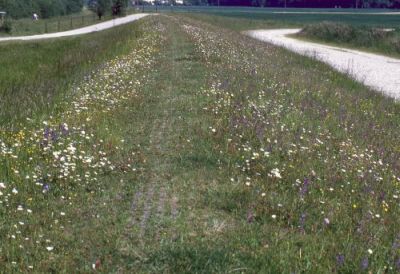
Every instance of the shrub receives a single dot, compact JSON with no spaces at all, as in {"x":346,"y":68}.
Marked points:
{"x":6,"y":26}
{"x":356,"y":36}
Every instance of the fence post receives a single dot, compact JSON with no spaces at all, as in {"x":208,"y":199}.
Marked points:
{"x":58,"y":24}
{"x":71,"y":23}
{"x":83,"y":20}
{"x":45,"y":27}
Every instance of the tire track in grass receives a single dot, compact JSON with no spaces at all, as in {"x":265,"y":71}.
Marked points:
{"x":134,"y":206}
{"x":148,"y":208}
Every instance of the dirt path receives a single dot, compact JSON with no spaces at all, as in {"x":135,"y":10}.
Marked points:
{"x":93,"y":28}
{"x":379,"y":72}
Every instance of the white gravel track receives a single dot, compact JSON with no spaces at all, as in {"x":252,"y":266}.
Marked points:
{"x":89,"y":29}
{"x":376,"y":71}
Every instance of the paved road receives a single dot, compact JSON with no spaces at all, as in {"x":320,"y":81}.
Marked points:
{"x":376,"y":71}
{"x":85,"y":30}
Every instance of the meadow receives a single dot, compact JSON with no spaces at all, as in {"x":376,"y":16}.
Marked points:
{"x":362,"y":29}
{"x":186,"y":147}
{"x":241,"y":18}
{"x":363,"y":38}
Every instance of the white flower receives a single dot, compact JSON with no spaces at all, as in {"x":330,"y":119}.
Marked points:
{"x":370,"y":251}
{"x":15,"y":191}
{"x":276,"y":173}
{"x":273,"y":216}
{"x":2,"y":185}
{"x":56,"y":154}
{"x":49,"y":248}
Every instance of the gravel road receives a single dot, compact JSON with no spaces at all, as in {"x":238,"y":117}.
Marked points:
{"x":93,"y":28}
{"x":376,"y":71}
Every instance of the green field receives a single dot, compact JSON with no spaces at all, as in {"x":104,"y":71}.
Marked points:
{"x":267,"y":17}
{"x":177,"y":145}
{"x":361,"y":29}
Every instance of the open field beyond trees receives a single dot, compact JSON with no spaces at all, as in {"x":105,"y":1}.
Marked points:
{"x":178,"y":145}
{"x":241,"y":18}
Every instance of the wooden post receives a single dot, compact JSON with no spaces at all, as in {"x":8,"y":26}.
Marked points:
{"x":71,"y":23}
{"x":45,"y":27}
{"x":58,"y":24}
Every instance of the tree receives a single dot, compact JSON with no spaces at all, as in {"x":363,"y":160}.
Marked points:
{"x":100,"y":7}
{"x":118,"y":7}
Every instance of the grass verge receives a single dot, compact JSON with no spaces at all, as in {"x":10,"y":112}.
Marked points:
{"x":36,"y":75}
{"x":363,"y":38}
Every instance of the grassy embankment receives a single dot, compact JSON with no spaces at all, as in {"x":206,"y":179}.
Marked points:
{"x":359,"y":31}
{"x":204,"y":151}
{"x":362,"y":38}
{"x":35,"y":75}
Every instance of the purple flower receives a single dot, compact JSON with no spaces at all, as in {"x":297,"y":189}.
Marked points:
{"x":64,"y":130}
{"x":302,"y":221}
{"x":54,"y":136}
{"x":364,"y":263}
{"x":340,"y":260}
{"x":46,"y":133}
{"x":46,"y":188}
{"x":382,"y":196}
{"x":397,"y":264}
{"x":304,"y":187}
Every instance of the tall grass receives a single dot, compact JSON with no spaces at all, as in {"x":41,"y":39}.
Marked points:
{"x":374,"y":39}
{"x":52,"y":166}
{"x":36,"y":75}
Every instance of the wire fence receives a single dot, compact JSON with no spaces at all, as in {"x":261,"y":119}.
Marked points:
{"x":63,"y":23}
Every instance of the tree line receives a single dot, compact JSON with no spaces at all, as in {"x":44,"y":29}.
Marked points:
{"x":44,"y":8}
{"x":302,"y":3}
{"x":101,"y":7}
